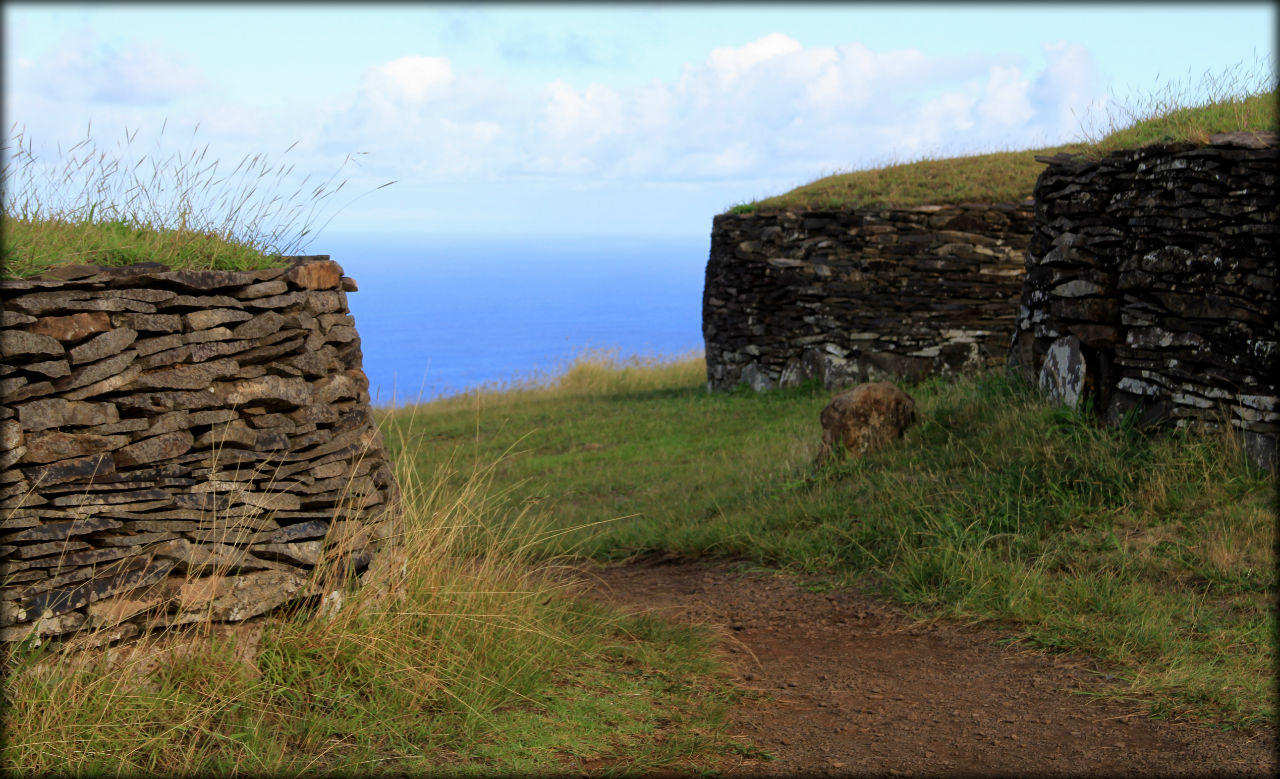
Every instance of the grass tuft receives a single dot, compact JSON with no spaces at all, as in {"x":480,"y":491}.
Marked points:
{"x":115,"y":208}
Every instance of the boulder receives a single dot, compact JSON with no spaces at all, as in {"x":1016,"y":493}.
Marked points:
{"x":865,"y":418}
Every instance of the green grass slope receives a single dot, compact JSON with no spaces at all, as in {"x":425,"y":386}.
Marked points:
{"x":1150,"y":552}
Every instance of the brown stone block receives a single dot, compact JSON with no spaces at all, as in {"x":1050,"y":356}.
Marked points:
{"x":124,"y":576}
{"x":161,"y":447}
{"x":325,"y":301}
{"x":261,"y":325}
{"x":53,"y":369}
{"x":298,"y":553}
{"x":277,"y":302}
{"x":20,"y":343}
{"x":109,"y":384}
{"x":57,"y":412}
{"x":292,"y":391}
{"x":149,"y":346}
{"x":57,"y":531}
{"x":232,"y":434}
{"x":325,"y":274}
{"x":129,"y":497}
{"x":73,"y":327}
{"x":204,"y":336}
{"x":169,"y":400}
{"x":50,"y":548}
{"x":82,"y":468}
{"x":197,"y":376}
{"x":236,"y":598}
{"x":272,"y":501}
{"x":46,"y":447}
{"x":110,"y":342}
{"x":262,"y":289}
{"x":123,"y":426}
{"x":220,"y":557}
{"x":203,"y":319}
{"x":60,"y":561}
{"x":96,"y":371}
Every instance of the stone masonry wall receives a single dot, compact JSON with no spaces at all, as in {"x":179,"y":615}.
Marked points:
{"x":861,"y":294}
{"x":181,"y":446}
{"x":1151,"y":286}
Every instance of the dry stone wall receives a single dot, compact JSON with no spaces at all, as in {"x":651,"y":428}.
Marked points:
{"x":861,"y":294}
{"x":1151,"y":286}
{"x":181,"y":446}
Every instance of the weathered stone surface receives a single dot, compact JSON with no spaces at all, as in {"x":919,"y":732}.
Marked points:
{"x":152,"y":323}
{"x":108,"y":343}
{"x":865,"y":419}
{"x":57,"y":412}
{"x":96,"y":371}
{"x":108,"y":384}
{"x":128,"y":497}
{"x":73,"y":327}
{"x":80,"y":469}
{"x":15,"y":318}
{"x":236,"y":598}
{"x":262,"y":289}
{"x":54,"y":531}
{"x":51,"y":368}
{"x":325,"y":274}
{"x":198,"y":376}
{"x":162,"y":447}
{"x":1140,"y":292}
{"x":19,"y":343}
{"x":856,"y":295}
{"x":259,"y":326}
{"x":298,"y":553}
{"x":149,"y":346}
{"x":203,"y":319}
{"x":204,"y":336}
{"x":235,"y":434}
{"x":124,"y":576}
{"x":291,"y":391}
{"x":45,"y":447}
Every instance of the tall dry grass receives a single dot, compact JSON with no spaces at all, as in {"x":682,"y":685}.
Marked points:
{"x":453,"y":623}
{"x":119,"y":207}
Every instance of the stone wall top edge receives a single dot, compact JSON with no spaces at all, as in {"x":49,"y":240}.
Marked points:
{"x":303,"y":272}
{"x":772,"y":213}
{"x":1262,"y":141}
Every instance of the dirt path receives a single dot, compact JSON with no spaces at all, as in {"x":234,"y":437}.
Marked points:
{"x":855,"y":687}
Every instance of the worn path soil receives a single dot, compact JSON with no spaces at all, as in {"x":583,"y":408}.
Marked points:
{"x":856,"y":687}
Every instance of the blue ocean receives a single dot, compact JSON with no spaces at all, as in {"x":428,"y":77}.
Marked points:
{"x":440,"y":314}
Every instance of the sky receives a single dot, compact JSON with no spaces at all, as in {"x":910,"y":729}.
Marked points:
{"x":576,"y":118}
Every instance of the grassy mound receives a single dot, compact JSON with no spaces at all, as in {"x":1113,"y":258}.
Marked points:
{"x":1010,"y":176}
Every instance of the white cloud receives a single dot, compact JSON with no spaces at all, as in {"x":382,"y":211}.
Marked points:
{"x":770,"y":109}
{"x":1004,"y":98}
{"x":413,"y":80}
{"x":583,"y":117}
{"x":729,"y":63}
{"x":767,"y":108}
{"x":1062,"y":94}
{"x":139,"y":74}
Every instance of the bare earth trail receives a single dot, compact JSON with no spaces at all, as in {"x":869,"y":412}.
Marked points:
{"x":853,"y":686}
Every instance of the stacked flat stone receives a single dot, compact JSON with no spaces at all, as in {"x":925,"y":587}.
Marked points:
{"x":1151,"y":286}
{"x":181,"y":446}
{"x":864,"y":294}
